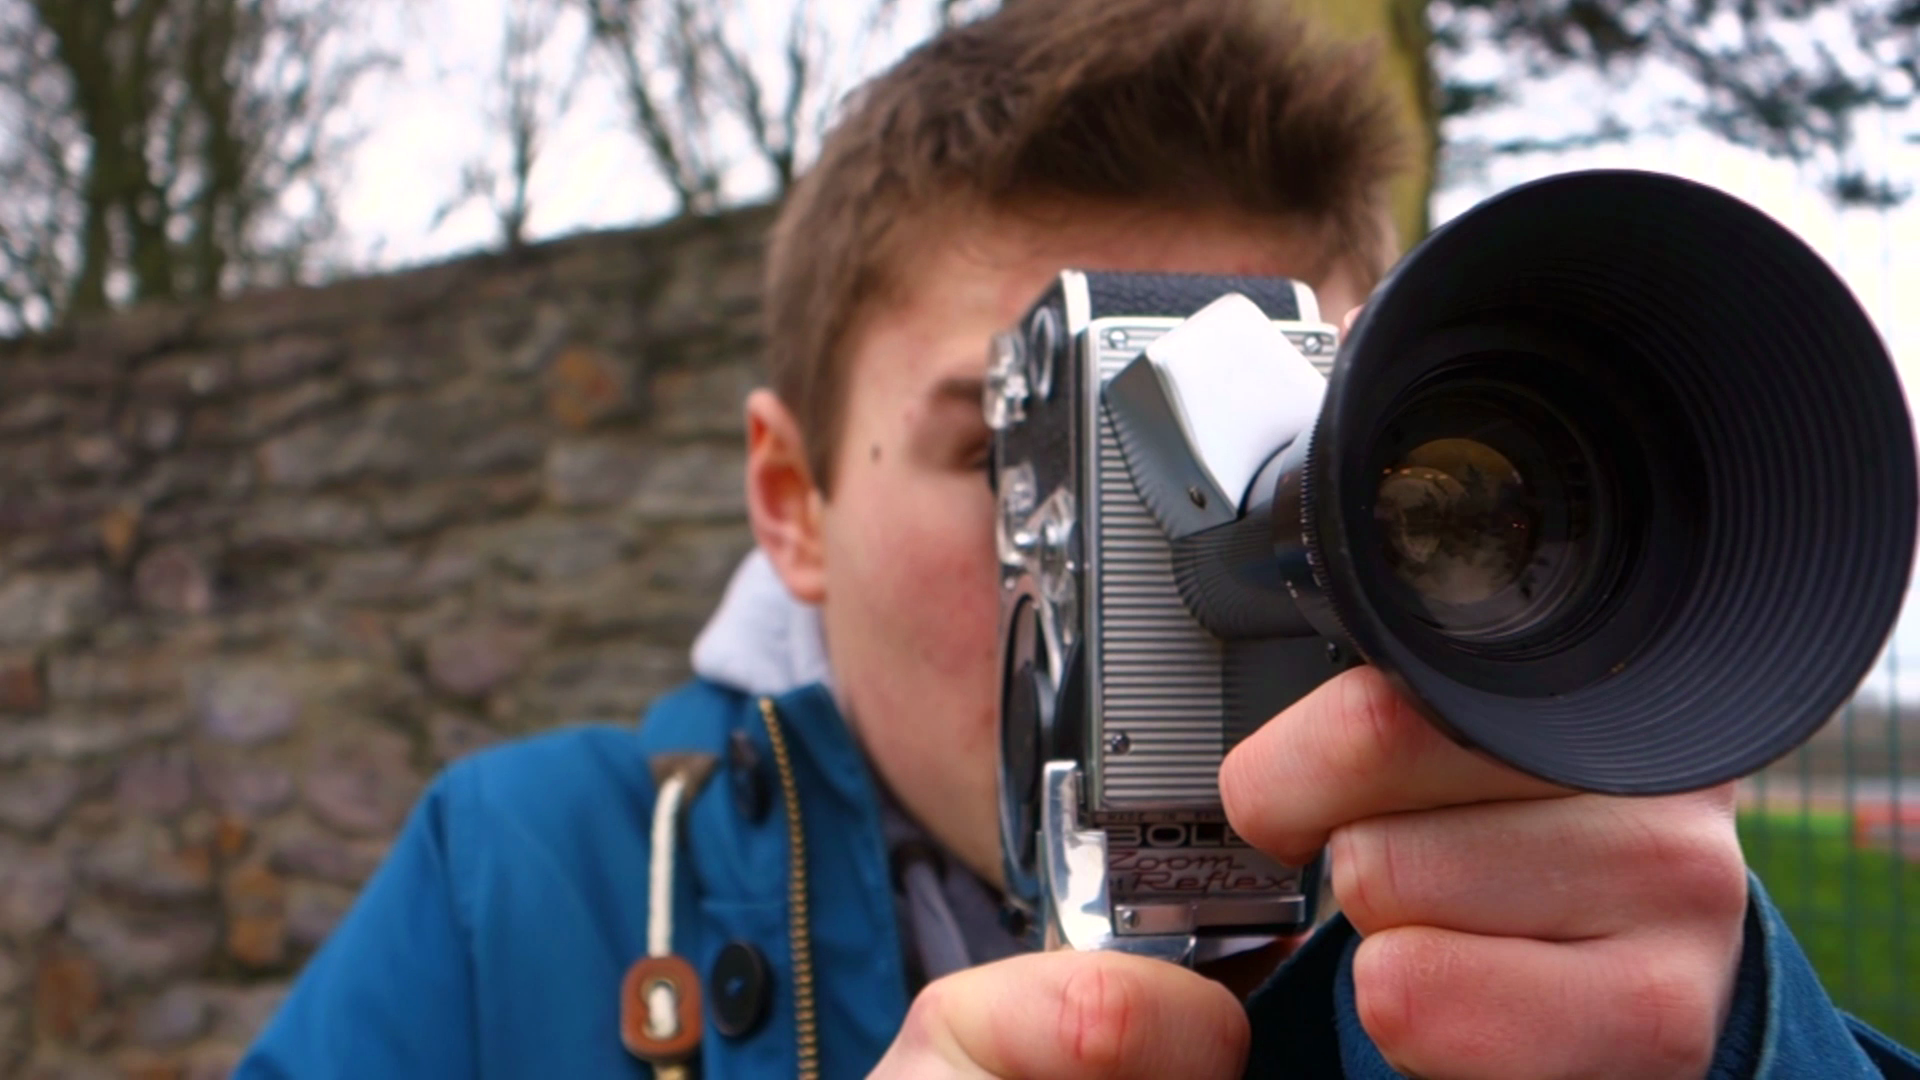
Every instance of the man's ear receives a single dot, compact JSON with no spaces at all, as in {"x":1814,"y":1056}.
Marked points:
{"x":782,"y":500}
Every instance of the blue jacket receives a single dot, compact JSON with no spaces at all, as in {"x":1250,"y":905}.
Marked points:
{"x":493,"y":940}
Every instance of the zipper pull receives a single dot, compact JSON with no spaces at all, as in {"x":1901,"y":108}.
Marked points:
{"x":660,"y":1013}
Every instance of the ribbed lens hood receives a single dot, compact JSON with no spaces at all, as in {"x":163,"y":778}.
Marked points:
{"x":1754,"y":461}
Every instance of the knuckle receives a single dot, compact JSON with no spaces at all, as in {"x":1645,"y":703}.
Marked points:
{"x":1719,"y":887}
{"x":1672,"y":1011}
{"x":1386,"y":977}
{"x":1370,"y":733}
{"x":926,"y":1014}
{"x":1696,"y":860}
{"x":1100,"y":1012}
{"x":924,"y":1028}
{"x":1249,"y":777}
{"x":1363,"y":866}
{"x":1240,"y":793}
{"x":1718,"y":875}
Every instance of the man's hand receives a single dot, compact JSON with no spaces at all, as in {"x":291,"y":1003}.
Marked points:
{"x":1511,"y":928}
{"x":1064,"y":1015}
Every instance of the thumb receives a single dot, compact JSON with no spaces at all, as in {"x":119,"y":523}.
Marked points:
{"x":1065,"y":1015}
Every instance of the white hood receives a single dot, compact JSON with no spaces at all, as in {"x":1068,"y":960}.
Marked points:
{"x":761,"y":641}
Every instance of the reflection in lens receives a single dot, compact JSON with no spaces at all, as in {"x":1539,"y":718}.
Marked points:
{"x":1458,"y":525}
{"x":1455,"y":523}
{"x":1489,"y":518}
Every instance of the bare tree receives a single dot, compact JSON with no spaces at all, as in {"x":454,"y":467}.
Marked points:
{"x":530,"y":101}
{"x":41,"y":219}
{"x":160,"y":149}
{"x":1787,"y":78}
{"x":704,"y":92}
{"x":663,"y":79}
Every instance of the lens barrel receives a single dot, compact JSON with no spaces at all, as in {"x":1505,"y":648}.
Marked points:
{"x":1616,"y":480}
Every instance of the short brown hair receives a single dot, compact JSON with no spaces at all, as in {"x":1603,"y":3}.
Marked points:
{"x":1215,"y":104}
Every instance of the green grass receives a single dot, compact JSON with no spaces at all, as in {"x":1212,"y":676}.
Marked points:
{"x":1855,"y":912}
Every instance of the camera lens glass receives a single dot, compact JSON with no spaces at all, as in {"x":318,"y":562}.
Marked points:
{"x":1459,"y":520}
{"x":1486,"y":512}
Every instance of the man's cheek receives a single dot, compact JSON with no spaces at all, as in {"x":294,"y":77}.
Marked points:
{"x":945,"y":591}
{"x":944,"y":529}
{"x":946,"y":594}
{"x":963,"y":633}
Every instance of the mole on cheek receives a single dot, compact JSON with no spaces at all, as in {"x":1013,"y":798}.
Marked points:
{"x":873,"y":453}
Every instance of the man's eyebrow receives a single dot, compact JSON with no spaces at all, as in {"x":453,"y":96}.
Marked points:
{"x":960,"y":389}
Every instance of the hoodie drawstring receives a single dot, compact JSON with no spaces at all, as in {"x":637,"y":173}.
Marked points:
{"x":660,"y":1009}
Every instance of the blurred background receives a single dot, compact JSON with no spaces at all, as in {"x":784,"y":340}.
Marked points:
{"x":370,"y":393}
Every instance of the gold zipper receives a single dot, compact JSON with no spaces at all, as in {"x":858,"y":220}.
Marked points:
{"x":800,"y":940}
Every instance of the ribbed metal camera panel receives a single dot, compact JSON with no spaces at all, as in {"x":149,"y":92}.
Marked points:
{"x":1160,"y":698}
{"x":1158,"y":692}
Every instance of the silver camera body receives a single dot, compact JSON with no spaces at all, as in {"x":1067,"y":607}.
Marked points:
{"x":1140,"y":424}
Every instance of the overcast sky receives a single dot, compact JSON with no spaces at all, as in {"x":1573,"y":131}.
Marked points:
{"x":436,"y":115}
{"x":440,"y":112}
{"x":427,"y":122}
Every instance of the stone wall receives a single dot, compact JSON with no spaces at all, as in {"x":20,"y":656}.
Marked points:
{"x":265,"y":567}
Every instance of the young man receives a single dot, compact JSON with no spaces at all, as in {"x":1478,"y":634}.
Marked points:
{"x":829,"y":889}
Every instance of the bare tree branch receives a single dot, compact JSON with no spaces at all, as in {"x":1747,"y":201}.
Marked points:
{"x":802,"y":55}
{"x":699,"y":85}
{"x":167,"y":148}
{"x":41,"y":215}
{"x":1766,"y":75}
{"x":676,"y":149}
{"x":529,"y":101}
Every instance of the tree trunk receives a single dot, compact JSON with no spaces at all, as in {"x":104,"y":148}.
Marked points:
{"x":108,"y":55}
{"x":210,"y":44}
{"x":1400,"y":26}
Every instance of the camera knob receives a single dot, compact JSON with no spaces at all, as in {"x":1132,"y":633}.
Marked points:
{"x":1007,"y":389}
{"x":1055,"y":549}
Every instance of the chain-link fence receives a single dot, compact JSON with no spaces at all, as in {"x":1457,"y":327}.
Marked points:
{"x":1833,"y":831}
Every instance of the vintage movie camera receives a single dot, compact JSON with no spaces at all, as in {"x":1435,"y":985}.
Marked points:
{"x":1613,"y":479}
